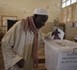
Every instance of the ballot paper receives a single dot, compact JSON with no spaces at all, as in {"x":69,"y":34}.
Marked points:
{"x":61,"y":35}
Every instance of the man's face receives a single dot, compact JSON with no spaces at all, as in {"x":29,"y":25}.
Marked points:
{"x":40,"y":21}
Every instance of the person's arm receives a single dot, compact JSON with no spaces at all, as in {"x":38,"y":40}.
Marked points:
{"x":48,"y":35}
{"x":10,"y":57}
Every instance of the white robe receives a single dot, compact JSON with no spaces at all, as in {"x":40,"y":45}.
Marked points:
{"x":22,"y":42}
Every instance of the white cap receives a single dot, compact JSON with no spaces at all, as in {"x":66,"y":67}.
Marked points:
{"x":40,"y":11}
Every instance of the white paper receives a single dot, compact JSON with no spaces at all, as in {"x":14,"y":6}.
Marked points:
{"x":61,"y":35}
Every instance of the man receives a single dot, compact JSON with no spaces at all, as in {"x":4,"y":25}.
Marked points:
{"x":57,"y":33}
{"x":20,"y":44}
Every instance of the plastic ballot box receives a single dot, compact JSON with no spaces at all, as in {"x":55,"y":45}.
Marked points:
{"x":60,"y":55}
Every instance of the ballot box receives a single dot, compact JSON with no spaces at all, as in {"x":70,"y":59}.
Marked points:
{"x":60,"y":55}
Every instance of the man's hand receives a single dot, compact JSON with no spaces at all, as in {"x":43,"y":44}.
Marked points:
{"x":21,"y":63}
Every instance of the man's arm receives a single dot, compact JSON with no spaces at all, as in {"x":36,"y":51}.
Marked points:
{"x":10,"y":56}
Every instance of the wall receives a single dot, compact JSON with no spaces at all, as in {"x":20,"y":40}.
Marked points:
{"x":71,"y":31}
{"x":24,"y":8}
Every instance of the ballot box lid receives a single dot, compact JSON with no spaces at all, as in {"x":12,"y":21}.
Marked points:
{"x":62,"y":45}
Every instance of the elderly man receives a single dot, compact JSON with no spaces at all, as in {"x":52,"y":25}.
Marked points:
{"x":20,"y":44}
